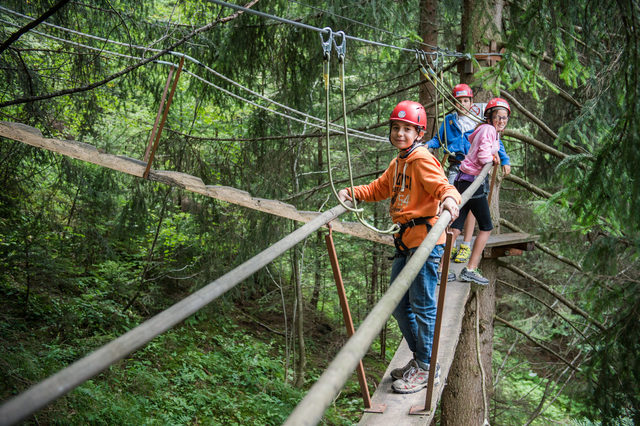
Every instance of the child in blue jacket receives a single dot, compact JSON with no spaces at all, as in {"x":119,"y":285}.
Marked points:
{"x":455,"y":132}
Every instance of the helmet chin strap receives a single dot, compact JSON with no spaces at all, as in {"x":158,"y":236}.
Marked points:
{"x":406,"y":152}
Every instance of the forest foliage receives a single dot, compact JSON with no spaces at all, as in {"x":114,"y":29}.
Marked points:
{"x":87,"y":254}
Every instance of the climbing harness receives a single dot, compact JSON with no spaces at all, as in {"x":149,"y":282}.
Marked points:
{"x":401,"y":247}
{"x":326,"y":54}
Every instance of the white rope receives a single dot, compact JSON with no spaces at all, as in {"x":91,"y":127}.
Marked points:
{"x":482,"y":373}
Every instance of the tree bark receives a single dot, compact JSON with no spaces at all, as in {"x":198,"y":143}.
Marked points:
{"x":302,"y":353}
{"x":428,"y":30}
{"x":467,"y":395}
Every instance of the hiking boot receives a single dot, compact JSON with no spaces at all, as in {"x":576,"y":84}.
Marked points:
{"x":463,"y":254}
{"x":415,"y":379}
{"x":398,"y":373}
{"x":472,"y":276}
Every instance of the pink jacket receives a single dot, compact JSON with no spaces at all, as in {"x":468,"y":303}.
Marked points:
{"x":484,"y":143}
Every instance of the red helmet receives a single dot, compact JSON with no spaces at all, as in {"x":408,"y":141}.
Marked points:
{"x":496,"y":103}
{"x":462,"y":91}
{"x":410,"y":112}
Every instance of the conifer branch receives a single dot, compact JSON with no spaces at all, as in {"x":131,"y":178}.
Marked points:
{"x":21,"y":31}
{"x":127,"y":69}
{"x":554,"y":293}
{"x":542,"y":247}
{"x":535,"y":342}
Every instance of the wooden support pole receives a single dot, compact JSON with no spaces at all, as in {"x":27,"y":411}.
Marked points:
{"x":147,"y":152}
{"x":164,"y":118}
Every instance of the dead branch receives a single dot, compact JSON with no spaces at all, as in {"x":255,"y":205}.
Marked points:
{"x":542,"y":247}
{"x":552,"y":292}
{"x":538,"y":191}
{"x":535,"y":342}
{"x":538,"y":121}
{"x":548,"y":306}
{"x":253,"y":319}
{"x":536,"y":143}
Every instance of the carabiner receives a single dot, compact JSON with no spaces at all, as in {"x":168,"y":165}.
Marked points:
{"x":342,"y":47}
{"x":326,"y":45}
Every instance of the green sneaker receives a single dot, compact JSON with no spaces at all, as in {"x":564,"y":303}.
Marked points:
{"x":463,"y":254}
{"x":454,"y":251}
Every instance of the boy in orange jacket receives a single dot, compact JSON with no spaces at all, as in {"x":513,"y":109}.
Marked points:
{"x":419,"y":191}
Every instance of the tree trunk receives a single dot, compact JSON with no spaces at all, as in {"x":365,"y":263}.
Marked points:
{"x":467,"y":395}
{"x":302,"y":355}
{"x":428,"y":30}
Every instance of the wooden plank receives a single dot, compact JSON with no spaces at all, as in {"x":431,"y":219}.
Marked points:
{"x":510,"y":239}
{"x":85,"y":152}
{"x":398,"y":405}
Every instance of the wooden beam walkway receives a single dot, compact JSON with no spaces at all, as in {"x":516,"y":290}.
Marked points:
{"x":85,"y":152}
{"x":398,"y":406}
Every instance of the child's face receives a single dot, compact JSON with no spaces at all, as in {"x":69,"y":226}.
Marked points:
{"x":466,"y":104}
{"x":499,"y":119}
{"x":403,"y":134}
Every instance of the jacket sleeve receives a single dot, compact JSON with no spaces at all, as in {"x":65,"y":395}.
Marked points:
{"x":504,"y":158}
{"x":435,"y":142}
{"x":485,"y":137}
{"x":435,"y":182}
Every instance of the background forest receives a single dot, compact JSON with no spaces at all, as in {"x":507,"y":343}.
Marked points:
{"x":87,"y":253}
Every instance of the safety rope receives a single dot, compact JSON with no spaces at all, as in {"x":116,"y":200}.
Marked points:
{"x":431,"y":75}
{"x":422,"y":62}
{"x":326,"y":56}
{"x":482,"y":373}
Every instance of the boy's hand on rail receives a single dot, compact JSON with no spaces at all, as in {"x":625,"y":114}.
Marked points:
{"x":506,"y":169}
{"x":344,"y":195}
{"x":449,"y":204}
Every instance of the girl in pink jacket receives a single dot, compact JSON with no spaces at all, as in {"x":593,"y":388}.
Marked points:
{"x":484,"y":148}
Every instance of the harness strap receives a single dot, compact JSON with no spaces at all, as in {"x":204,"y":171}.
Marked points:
{"x":397,"y":238}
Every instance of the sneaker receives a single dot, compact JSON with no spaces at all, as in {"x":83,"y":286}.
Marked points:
{"x":472,"y":276}
{"x":415,"y":379}
{"x":450,"y":276}
{"x":454,"y":251}
{"x":462,"y":254}
{"x":398,"y":373}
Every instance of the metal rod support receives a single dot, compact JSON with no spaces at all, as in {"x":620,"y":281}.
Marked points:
{"x":348,"y":321}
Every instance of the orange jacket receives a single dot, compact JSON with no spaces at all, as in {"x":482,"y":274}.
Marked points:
{"x":416,"y":185}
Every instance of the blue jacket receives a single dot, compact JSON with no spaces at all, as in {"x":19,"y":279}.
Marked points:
{"x":457,"y":142}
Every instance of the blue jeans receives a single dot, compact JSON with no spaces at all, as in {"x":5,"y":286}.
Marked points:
{"x":416,"y":312}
